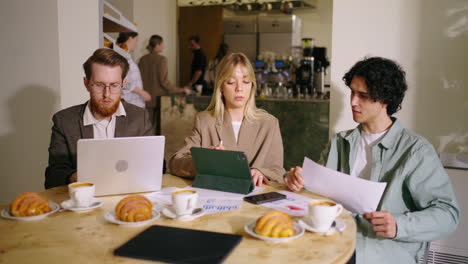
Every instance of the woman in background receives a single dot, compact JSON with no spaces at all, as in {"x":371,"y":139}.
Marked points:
{"x":133,"y":89}
{"x":233,"y":122}
{"x":211,"y":69}
{"x":153,"y":67}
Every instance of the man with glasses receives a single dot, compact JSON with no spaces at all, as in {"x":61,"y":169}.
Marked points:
{"x":105,"y":115}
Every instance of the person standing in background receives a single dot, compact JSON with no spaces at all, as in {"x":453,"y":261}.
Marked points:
{"x":153,"y":68}
{"x":133,"y":90}
{"x":198,"y":67}
{"x":211,"y":70}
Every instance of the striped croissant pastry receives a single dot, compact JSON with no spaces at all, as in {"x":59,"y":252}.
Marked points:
{"x":275,"y":224}
{"x":29,"y":204}
{"x":134,"y":208}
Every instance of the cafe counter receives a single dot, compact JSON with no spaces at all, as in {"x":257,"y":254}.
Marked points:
{"x":303,"y":123}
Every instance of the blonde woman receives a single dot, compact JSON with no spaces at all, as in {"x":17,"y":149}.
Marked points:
{"x":233,"y":122}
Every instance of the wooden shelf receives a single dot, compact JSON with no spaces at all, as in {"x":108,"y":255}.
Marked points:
{"x":114,"y":44}
{"x":113,"y":24}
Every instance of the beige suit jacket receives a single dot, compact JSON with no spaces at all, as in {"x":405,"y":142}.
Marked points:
{"x":259,"y":139}
{"x":153,"y":68}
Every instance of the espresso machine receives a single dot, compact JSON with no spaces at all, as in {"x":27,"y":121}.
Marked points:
{"x":321,"y":64}
{"x":305,"y":71}
{"x":310,"y":75}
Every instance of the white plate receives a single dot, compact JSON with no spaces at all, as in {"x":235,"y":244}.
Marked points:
{"x":6,"y":213}
{"x":68,"y":205}
{"x":169,"y":213}
{"x":110,"y":217}
{"x":339,"y":227}
{"x":298,"y":231}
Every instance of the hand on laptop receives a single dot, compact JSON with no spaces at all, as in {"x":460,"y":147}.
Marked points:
{"x":258,"y":178}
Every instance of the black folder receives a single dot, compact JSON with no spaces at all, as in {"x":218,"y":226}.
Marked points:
{"x":222,"y":170}
{"x":178,"y":245}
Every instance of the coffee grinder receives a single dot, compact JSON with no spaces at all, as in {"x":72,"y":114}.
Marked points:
{"x":320,"y":65}
{"x":305,"y":72}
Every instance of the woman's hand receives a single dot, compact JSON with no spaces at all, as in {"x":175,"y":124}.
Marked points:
{"x":294,"y":179}
{"x":219,"y":147}
{"x":258,"y":178}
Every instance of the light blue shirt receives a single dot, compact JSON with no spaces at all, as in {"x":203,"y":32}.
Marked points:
{"x":418,"y":194}
{"x":133,"y":81}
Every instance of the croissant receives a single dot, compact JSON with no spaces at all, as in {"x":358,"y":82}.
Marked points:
{"x":29,"y":204}
{"x":275,"y":224}
{"x":134,"y":208}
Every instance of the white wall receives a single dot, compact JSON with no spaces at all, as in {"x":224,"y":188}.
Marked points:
{"x":429,"y":38}
{"x":157,"y":17}
{"x":78,"y":38}
{"x":45,"y":44}
{"x":30,"y":92}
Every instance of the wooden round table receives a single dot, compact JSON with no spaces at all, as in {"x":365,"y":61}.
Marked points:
{"x":71,"y":237}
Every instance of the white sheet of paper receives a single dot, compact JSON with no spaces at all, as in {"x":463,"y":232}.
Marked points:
{"x":294,"y":204}
{"x":210,"y":200}
{"x":355,"y":194}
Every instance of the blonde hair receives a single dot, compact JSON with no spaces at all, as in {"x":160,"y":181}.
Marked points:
{"x":224,"y":71}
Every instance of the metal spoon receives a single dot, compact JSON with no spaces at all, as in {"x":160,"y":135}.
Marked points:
{"x":336,"y":228}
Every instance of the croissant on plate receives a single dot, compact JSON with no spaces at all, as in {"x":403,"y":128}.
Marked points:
{"x":29,"y":204}
{"x":134,"y":208}
{"x":275,"y":224}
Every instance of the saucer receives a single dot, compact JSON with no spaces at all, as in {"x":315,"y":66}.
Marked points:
{"x":110,"y":217}
{"x":169,"y":213}
{"x":69,"y":205}
{"x":6,"y":213}
{"x":339,"y":227}
{"x":298,"y":231}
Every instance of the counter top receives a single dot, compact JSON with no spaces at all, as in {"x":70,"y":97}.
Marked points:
{"x":311,"y":100}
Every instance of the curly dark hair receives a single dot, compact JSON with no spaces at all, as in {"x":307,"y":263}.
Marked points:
{"x":385,"y":81}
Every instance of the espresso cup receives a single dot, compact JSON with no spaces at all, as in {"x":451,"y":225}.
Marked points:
{"x":81,"y":193}
{"x":322,"y":214}
{"x":184,"y":201}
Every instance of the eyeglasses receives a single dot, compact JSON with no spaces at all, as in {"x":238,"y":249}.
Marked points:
{"x":100,"y":87}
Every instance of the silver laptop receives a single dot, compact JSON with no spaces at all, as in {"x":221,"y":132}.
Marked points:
{"x":121,"y":165}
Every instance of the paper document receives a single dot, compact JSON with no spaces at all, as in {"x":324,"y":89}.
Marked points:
{"x":294,"y":204}
{"x":210,"y":200}
{"x":355,"y":194}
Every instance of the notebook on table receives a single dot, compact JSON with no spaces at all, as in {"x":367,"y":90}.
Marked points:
{"x":178,"y":245}
{"x":121,"y":165}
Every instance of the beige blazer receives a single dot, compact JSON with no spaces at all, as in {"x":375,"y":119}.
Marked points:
{"x":153,"y":68}
{"x":259,"y":139}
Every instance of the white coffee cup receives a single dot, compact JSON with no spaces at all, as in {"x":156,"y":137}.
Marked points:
{"x":322,"y":214}
{"x":81,"y":193}
{"x":199,"y":89}
{"x":184,"y":201}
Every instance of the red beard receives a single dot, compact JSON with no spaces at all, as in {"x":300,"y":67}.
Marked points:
{"x":103,"y":110}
